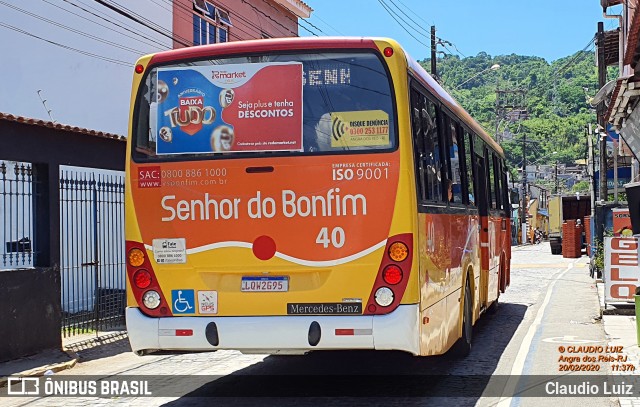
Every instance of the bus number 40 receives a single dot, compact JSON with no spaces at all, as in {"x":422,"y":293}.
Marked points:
{"x":337,"y":237}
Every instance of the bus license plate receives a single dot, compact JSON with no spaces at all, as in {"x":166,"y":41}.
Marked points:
{"x":265,"y":284}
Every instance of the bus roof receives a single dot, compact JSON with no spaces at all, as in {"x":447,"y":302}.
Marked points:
{"x":264,"y":45}
{"x":307,"y":43}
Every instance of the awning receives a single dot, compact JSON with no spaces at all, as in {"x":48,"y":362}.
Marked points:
{"x":623,"y":93}
{"x":611,"y":47}
{"x":630,"y":132}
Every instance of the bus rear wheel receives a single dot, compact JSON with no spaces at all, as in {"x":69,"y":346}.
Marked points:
{"x":463,"y":346}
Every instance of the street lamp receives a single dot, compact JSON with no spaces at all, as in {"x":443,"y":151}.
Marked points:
{"x":493,"y":67}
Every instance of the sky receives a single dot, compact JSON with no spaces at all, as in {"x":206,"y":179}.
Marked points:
{"x":90,"y":86}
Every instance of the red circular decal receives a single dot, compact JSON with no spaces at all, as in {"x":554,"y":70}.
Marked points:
{"x":264,"y":247}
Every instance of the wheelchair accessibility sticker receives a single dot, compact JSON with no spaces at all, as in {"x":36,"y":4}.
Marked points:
{"x":183,"y":302}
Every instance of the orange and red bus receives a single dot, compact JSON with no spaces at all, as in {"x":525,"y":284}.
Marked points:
{"x":291,"y":195}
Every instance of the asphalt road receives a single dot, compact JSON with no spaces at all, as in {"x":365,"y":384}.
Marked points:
{"x":552,"y":303}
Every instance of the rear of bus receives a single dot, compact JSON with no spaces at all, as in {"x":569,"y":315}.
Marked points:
{"x":268,"y":202}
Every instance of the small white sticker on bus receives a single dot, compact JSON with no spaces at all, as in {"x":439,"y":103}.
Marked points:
{"x":170,"y":251}
{"x":208,"y":302}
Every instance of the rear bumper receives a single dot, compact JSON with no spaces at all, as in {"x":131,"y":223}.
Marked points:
{"x":398,"y":330}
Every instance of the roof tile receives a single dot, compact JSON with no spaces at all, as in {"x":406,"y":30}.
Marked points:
{"x":66,"y":127}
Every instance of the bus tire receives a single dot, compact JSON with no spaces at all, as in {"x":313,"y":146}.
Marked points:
{"x":493,"y":308}
{"x":462,"y":347}
{"x":144,"y":352}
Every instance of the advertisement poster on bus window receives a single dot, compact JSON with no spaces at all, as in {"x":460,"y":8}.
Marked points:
{"x":229,"y":108}
{"x":621,"y":271}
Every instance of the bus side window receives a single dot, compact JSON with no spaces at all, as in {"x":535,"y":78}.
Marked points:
{"x":432,"y":147}
{"x":491,"y":198}
{"x":147,"y":120}
{"x":418,"y":144}
{"x":495,"y":172}
{"x":453,"y":159}
{"x":505,"y":189}
{"x":480,"y":172}
{"x":468,"y":156}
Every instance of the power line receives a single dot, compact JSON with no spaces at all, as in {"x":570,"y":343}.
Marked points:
{"x":459,"y":52}
{"x":130,"y":17}
{"x":150,"y":23}
{"x":101,"y":25}
{"x":155,"y":2}
{"x":426,"y":33}
{"x":112,"y":60}
{"x":122,"y":26}
{"x":327,"y":24}
{"x":93,"y":37}
{"x":416,"y":14}
{"x":393,"y":15}
{"x":419,"y":30}
{"x":309,"y":31}
{"x":312,"y":25}
{"x":571,"y":61}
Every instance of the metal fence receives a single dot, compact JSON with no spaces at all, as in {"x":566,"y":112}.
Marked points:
{"x":92,"y":250}
{"x":16,"y":205}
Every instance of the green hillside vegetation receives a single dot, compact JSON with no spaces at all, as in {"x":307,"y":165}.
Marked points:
{"x":556,"y":100}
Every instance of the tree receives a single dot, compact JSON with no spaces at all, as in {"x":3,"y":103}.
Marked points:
{"x":556,"y":102}
{"x":581,"y":186}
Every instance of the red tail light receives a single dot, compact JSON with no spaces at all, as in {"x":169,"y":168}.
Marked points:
{"x":142,"y":278}
{"x":392,"y":274}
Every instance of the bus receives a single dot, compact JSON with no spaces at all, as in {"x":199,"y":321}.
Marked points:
{"x":300,"y":194}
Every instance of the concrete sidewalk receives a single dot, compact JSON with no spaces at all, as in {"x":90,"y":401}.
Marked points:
{"x":620,"y":327}
{"x":620,"y":330}
{"x":76,"y":349}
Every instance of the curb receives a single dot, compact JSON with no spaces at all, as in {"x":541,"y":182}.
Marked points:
{"x":619,"y":311}
{"x":40,"y":371}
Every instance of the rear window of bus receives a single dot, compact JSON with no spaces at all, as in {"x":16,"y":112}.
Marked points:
{"x":279,"y":104}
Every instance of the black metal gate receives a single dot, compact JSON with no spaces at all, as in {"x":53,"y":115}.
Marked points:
{"x":92,"y":250}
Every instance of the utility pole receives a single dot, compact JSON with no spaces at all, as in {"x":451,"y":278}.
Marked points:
{"x":510,"y":105}
{"x":524,"y":219}
{"x":592,"y":160}
{"x":557,"y":177}
{"x":602,"y":80}
{"x":433,"y":52}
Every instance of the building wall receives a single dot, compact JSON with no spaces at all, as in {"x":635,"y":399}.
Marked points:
{"x":30,"y":298}
{"x":30,"y":312}
{"x":251,"y":19}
